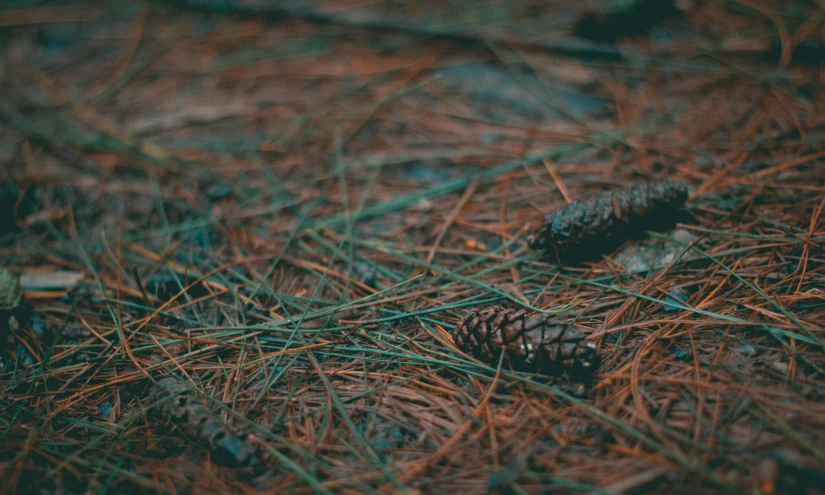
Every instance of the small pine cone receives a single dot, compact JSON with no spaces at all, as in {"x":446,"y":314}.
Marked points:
{"x":200,"y":423}
{"x":536,"y":342}
{"x":11,"y":292}
{"x":584,"y":229}
{"x":13,"y":309}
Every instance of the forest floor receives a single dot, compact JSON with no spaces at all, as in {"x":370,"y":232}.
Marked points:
{"x":336,"y":183}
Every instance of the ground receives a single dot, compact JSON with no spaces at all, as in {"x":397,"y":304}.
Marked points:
{"x":336,"y":183}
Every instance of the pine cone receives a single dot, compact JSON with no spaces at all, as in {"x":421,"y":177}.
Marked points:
{"x":13,"y":310}
{"x":584,"y":229}
{"x":200,"y":423}
{"x":530,"y":343}
{"x":11,"y":293}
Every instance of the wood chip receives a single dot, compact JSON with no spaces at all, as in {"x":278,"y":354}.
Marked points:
{"x":40,"y":280}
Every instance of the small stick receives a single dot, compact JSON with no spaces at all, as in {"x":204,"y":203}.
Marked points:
{"x":140,"y":286}
{"x":559,"y":183}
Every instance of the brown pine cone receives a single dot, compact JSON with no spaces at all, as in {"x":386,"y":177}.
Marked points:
{"x":199,"y":422}
{"x":537,"y":342}
{"x":584,"y":229}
